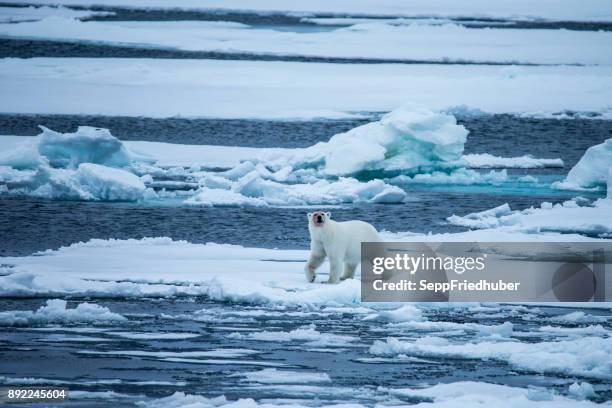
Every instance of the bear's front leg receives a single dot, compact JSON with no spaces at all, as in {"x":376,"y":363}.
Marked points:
{"x":335,"y":269}
{"x":313,"y":263}
{"x":349,"y":271}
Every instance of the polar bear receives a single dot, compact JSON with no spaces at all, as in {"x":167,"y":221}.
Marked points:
{"x":340,"y":242}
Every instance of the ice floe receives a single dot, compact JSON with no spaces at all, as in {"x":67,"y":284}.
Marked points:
{"x":482,"y":394}
{"x":275,"y":376}
{"x":31,"y":13}
{"x":367,"y":40}
{"x":581,"y":390}
{"x":309,"y":335}
{"x":571,"y":10}
{"x":89,"y":164}
{"x":567,"y":217}
{"x":592,"y":171}
{"x":410,"y":139}
{"x":56,"y":311}
{"x":486,"y":160}
{"x":589,"y":357}
{"x":226,"y":89}
{"x":161,"y":267}
{"x":154,"y":335}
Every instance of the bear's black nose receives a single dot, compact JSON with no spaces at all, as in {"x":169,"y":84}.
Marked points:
{"x":319,"y":218}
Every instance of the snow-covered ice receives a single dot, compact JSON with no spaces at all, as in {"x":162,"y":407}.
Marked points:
{"x":592,"y":171}
{"x":585,"y":356}
{"x":421,"y":145}
{"x":556,"y":10}
{"x":160,"y":267}
{"x":410,"y":139}
{"x":567,"y":217}
{"x":281,"y":90}
{"x":309,"y":335}
{"x":486,"y":160}
{"x":377,"y":40}
{"x":476,"y":394}
{"x":31,"y":13}
{"x":275,"y":376}
{"x":56,"y":311}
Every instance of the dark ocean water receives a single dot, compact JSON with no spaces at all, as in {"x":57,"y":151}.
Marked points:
{"x":26,"y":48}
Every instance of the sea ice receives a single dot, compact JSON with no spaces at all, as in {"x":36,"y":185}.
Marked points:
{"x":308,"y":334}
{"x":589,"y":357}
{"x":89,"y":164}
{"x":225,"y":89}
{"x":592,"y":171}
{"x":274,"y":376}
{"x":408,"y":140}
{"x":581,"y":390}
{"x":367,"y":40}
{"x":486,"y":160}
{"x":480,"y":394}
{"x":567,"y":217}
{"x":55,"y":311}
{"x":30,"y":13}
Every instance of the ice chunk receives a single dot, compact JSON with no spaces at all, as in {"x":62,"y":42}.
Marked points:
{"x":405,"y":313}
{"x":408,"y":140}
{"x":274,"y":376}
{"x":584,"y":356}
{"x":581,"y":390}
{"x":592,"y":171}
{"x":88,"y":182}
{"x":476,"y":394}
{"x":89,"y":164}
{"x":308,"y":334}
{"x":109,"y":184}
{"x":253,"y":189}
{"x":592,"y":220}
{"x":86,"y":145}
{"x":482,"y":219}
{"x":31,"y":13}
{"x":55,"y":311}
{"x":220,"y":197}
{"x":460,"y":176}
{"x":486,"y":160}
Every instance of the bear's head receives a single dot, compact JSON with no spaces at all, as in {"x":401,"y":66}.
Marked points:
{"x":318,"y":218}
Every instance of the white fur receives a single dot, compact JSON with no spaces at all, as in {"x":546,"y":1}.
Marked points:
{"x":338,"y":241}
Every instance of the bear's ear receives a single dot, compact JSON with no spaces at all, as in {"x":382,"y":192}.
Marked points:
{"x":309,"y":215}
{"x":328,"y":214}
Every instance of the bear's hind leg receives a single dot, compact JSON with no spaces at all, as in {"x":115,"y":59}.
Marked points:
{"x":349,"y":271}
